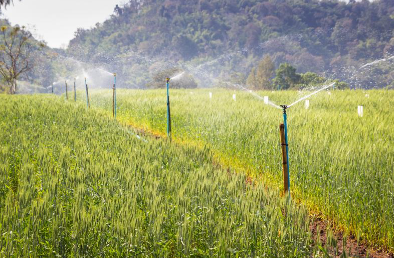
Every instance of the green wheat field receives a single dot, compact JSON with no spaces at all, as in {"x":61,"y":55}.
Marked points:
{"x":77,"y":182}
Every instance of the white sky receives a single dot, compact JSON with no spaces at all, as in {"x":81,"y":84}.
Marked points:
{"x":55,"y":21}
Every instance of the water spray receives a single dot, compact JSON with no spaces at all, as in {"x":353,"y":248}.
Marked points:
{"x":87,"y":94}
{"x":114,"y":97}
{"x":310,"y":95}
{"x":168,"y":110}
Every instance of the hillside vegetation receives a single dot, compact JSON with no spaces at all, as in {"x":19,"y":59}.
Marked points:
{"x":329,"y":37}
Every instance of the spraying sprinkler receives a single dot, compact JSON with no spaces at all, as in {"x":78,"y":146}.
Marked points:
{"x":168,"y":109}
{"x":284,"y":139}
{"x":285,"y":150}
{"x":114,"y":97}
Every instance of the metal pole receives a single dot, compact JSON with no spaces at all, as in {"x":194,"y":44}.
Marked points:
{"x":168,"y":110}
{"x":52,"y":88}
{"x":114,"y":95}
{"x":284,"y":158}
{"x":287,"y":145}
{"x":87,"y":94}
{"x":113,"y":101}
{"x":75,"y":91}
{"x":66,"y":91}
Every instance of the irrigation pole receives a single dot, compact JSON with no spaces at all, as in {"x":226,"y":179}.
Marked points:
{"x":284,"y":157}
{"x":114,"y":97}
{"x":285,"y":151}
{"x":75,"y":90}
{"x":52,"y":88}
{"x":66,"y":91}
{"x":87,"y":95}
{"x":168,"y":110}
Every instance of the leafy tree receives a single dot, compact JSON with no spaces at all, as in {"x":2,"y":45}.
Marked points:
{"x":16,"y":51}
{"x":265,"y":72}
{"x":341,"y":85}
{"x":311,"y":78}
{"x":260,"y":77}
{"x":251,"y":81}
{"x":118,"y":10}
{"x":286,"y":77}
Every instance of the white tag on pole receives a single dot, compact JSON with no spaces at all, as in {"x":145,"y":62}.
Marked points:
{"x":307,"y":104}
{"x":210,"y":95}
{"x":234,"y":97}
{"x":360,"y":111}
{"x":266,"y":100}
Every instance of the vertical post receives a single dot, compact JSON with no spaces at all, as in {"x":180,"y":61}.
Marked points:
{"x":66,"y":91}
{"x":360,"y":111}
{"x":266,"y":100}
{"x":307,"y":104}
{"x":75,"y":90}
{"x":168,"y":110}
{"x":87,"y":95}
{"x":114,"y":97}
{"x":284,"y":157}
{"x":113,"y":101}
{"x":285,"y":151}
{"x":52,"y":88}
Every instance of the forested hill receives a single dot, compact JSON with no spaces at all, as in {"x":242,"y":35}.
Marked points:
{"x":320,"y":36}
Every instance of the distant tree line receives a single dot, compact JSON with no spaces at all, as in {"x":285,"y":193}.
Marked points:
{"x":311,"y":35}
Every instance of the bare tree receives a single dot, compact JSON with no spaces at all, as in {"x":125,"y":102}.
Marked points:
{"x":15,"y":54}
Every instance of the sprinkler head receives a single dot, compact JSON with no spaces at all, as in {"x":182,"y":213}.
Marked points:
{"x":168,"y":79}
{"x":284,"y":108}
{"x":115,"y":74}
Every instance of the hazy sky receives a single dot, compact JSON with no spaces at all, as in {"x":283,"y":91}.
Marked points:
{"x":57,"y":20}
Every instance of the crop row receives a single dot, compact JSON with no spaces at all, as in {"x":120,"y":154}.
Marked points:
{"x":74,"y":182}
{"x":340,"y":164}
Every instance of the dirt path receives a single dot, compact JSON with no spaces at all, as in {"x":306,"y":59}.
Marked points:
{"x":352,"y":248}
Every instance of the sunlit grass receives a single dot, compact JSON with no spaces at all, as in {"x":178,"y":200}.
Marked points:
{"x":340,"y":164}
{"x":75,"y":183}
